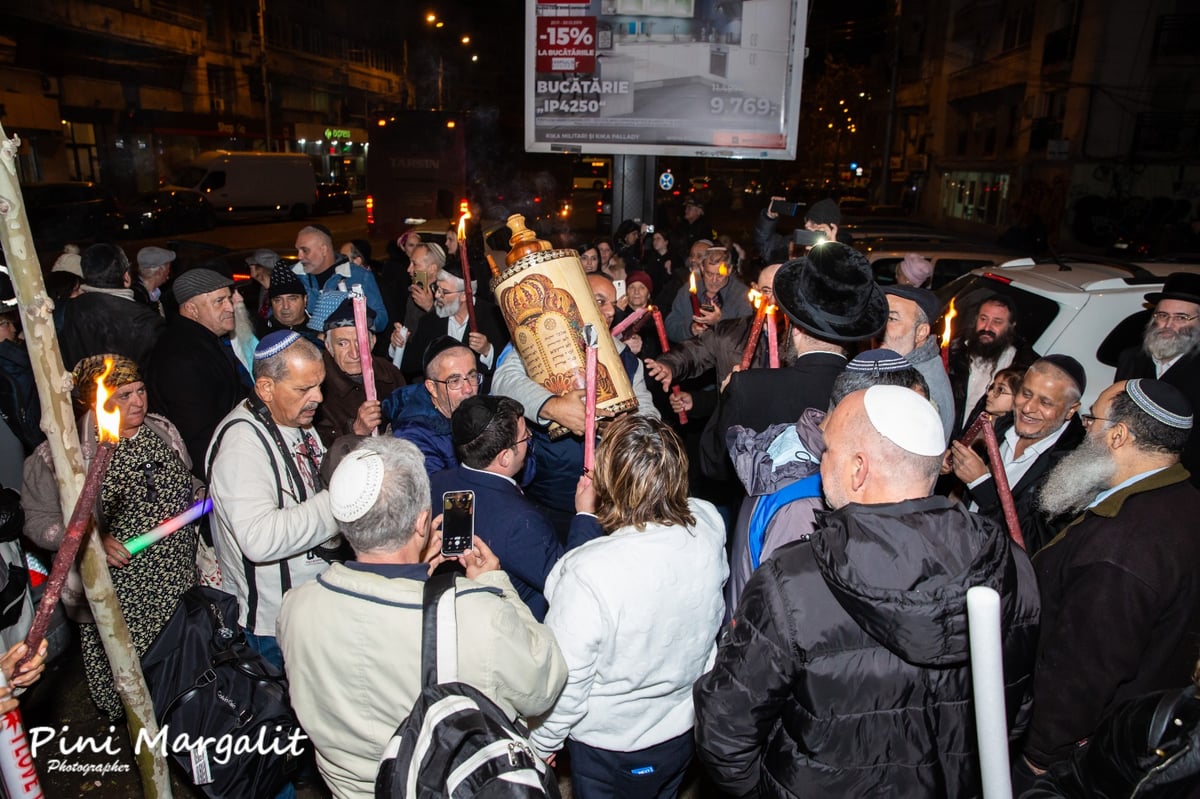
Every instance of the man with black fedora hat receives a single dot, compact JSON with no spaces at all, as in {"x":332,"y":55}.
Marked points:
{"x":832,"y":301}
{"x":1170,"y":349}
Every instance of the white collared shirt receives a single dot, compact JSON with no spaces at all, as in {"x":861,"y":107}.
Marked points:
{"x":1160,"y":367}
{"x":1016,"y":468}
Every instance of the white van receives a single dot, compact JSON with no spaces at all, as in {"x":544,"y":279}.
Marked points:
{"x":245,"y":185}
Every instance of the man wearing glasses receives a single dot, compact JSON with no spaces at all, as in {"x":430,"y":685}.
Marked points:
{"x":421,"y":412}
{"x":494,"y":443}
{"x":1170,"y":349}
{"x":450,"y":318}
{"x":721,"y":294}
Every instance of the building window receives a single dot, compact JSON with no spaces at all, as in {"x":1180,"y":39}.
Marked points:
{"x":1175,"y":37}
{"x":974,"y":196}
{"x":1018,"y":28}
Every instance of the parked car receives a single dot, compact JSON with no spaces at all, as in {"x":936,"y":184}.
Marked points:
{"x":167,"y":211}
{"x":228,"y":262}
{"x":1088,"y":307}
{"x":333,"y":198}
{"x":79,"y":212}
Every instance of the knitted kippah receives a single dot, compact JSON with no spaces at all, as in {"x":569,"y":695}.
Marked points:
{"x":876,"y":361}
{"x":1161,"y":401}
{"x":274,"y":343}
{"x":355,"y":485}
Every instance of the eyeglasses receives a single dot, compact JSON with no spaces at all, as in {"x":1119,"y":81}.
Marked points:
{"x":441,"y":292}
{"x":1087,"y":419}
{"x":456,"y":382}
{"x":1163,"y":317}
{"x":528,"y":437}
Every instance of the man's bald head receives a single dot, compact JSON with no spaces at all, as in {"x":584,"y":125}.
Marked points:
{"x":866,"y":465}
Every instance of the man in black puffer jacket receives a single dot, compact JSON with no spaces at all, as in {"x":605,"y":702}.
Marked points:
{"x":845,"y":669}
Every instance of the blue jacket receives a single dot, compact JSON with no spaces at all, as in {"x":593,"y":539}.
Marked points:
{"x":351,"y":273}
{"x":520,"y":535}
{"x":414,"y":418}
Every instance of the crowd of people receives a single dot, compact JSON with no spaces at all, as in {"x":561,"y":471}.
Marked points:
{"x":773,"y":591}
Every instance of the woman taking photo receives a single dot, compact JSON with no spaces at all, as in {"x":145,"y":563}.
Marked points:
{"x":636,"y":614}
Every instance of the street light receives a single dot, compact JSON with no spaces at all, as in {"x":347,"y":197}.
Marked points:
{"x":466,"y":40}
{"x":431,"y":18}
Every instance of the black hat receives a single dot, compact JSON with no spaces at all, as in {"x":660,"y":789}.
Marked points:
{"x":437,"y":347}
{"x":925,"y":299}
{"x":625,"y":228}
{"x":831,"y":293}
{"x":693,"y":200}
{"x":1178,"y":286}
{"x":343,"y":316}
{"x":824,"y":212}
{"x":1072,"y":367}
{"x":284,"y":281}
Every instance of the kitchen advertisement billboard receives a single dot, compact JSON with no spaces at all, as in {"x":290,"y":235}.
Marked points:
{"x":712,"y":78}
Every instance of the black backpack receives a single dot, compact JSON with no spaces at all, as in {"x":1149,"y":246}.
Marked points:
{"x":456,"y":742}
{"x":206,"y":681}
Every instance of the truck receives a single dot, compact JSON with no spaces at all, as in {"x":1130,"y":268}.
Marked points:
{"x":252,"y":185}
{"x":416,"y":171}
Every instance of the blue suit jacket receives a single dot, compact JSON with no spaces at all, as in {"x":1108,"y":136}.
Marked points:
{"x":520,"y":535}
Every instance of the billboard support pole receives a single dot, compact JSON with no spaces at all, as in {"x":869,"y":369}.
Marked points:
{"x":633,"y":198}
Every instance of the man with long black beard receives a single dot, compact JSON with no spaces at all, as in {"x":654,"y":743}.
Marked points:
{"x":1120,"y":593}
{"x":979,"y":351}
{"x":1170,"y":349}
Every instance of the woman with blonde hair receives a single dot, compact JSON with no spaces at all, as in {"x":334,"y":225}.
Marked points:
{"x":636,"y":615}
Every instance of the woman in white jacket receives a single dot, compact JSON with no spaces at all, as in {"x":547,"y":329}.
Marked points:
{"x":636,"y":615}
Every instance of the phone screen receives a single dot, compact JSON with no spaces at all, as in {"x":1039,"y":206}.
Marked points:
{"x":458,"y":522}
{"x":619,"y":285}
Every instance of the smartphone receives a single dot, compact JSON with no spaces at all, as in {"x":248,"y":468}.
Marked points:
{"x":708,"y":308}
{"x":807,"y":238}
{"x":784,"y":209}
{"x":421,"y":278}
{"x":619,"y":285}
{"x":458,"y":522}
{"x":649,"y":228}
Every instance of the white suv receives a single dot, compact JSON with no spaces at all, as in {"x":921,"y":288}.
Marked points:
{"x":1088,"y":307}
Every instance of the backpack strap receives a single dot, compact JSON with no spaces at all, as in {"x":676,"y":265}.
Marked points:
{"x":769,"y":505}
{"x":248,"y":566}
{"x":439,"y":663}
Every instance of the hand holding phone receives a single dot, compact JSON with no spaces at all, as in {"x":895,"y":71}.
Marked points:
{"x":458,"y":522}
{"x":779,"y":206}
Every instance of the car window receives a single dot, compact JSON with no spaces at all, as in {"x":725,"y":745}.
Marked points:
{"x":1127,"y":333}
{"x":948,"y":269}
{"x":214,"y":180}
{"x":1034,"y":312}
{"x":885,"y":270}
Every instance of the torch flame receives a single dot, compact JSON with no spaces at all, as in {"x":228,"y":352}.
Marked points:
{"x":755,"y":298}
{"x":108,"y":422}
{"x":771,"y":309}
{"x":692,"y":282}
{"x":723,"y":269}
{"x":462,"y":224}
{"x":951,"y":312}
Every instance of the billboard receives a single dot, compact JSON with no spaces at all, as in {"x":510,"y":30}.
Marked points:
{"x":711,"y":78}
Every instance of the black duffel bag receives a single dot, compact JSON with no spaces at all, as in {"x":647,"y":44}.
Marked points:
{"x":222,"y":709}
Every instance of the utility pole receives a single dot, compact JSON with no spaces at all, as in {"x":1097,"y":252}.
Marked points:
{"x":262,"y":60}
{"x":885,"y":178}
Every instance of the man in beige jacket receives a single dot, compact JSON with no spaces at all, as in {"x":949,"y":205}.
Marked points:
{"x":351,"y":639}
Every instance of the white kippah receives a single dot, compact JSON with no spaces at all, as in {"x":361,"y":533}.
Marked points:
{"x":905,"y":418}
{"x":355,"y":485}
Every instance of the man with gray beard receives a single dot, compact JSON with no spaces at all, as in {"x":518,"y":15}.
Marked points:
{"x":450,"y":318}
{"x":1119,"y":587}
{"x":1170,"y":349}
